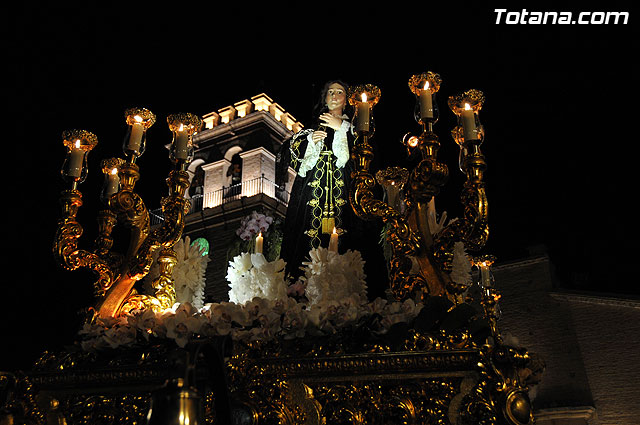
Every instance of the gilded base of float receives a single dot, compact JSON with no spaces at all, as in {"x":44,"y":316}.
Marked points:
{"x":254,"y":386}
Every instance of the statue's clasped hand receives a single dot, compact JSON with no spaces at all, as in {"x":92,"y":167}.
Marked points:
{"x":329,"y":120}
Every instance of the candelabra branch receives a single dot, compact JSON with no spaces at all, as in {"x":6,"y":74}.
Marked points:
{"x":473,"y":227}
{"x":174,"y":209}
{"x":145,"y":243}
{"x":65,"y":247}
{"x":123,"y":206}
{"x":165,"y":293}
{"x":409,"y":229}
{"x":406,"y":235}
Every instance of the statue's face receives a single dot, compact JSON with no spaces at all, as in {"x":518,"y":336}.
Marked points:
{"x":336,"y":98}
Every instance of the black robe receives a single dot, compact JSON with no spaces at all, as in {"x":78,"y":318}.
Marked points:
{"x":321,"y":194}
{"x":355,"y":233}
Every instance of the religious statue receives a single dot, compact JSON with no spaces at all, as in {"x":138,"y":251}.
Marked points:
{"x":319,"y":202}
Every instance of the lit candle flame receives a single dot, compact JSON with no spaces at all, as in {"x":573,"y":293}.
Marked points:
{"x":467,"y":107}
{"x":137,"y":118}
{"x":181,"y":127}
{"x":77,"y":144}
{"x":334,"y":230}
{"x":364,"y":97}
{"x":114,"y":171}
{"x":426,"y":85}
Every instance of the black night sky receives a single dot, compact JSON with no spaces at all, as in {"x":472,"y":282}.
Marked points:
{"x":559,"y":120}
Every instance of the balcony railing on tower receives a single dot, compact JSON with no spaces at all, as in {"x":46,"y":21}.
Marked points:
{"x":246,"y":189}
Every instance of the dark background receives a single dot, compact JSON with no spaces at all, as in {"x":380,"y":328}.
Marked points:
{"x":559,"y":116}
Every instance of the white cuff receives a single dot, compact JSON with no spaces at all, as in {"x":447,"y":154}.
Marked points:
{"x":341,"y":144}
{"x":311,"y":155}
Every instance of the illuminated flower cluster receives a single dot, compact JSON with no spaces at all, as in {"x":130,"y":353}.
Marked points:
{"x":257,"y":320}
{"x":253,"y":224}
{"x":189,"y":272}
{"x":259,"y":308}
{"x":330,"y":276}
{"x":251,"y":276}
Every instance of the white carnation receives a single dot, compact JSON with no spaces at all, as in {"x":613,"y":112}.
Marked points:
{"x":252,"y":276}
{"x":461,"y":270}
{"x":330,"y":276}
{"x":189,"y":272}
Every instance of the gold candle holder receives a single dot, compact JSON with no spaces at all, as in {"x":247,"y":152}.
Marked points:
{"x":473,"y":227}
{"x":425,"y":86}
{"x":183,"y":126}
{"x":363,"y":98}
{"x":139,"y":120}
{"x":78,"y":143}
{"x":489,"y":295}
{"x":69,"y":231}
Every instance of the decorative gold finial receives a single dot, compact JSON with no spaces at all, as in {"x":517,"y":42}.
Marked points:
{"x":141,"y":116}
{"x":425,"y":81}
{"x":139,"y":120}
{"x":79,"y":139}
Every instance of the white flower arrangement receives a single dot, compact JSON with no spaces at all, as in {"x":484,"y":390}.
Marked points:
{"x":257,"y":320}
{"x":252,"y":276}
{"x":189,"y":272}
{"x":259,"y":307}
{"x":330,"y":276}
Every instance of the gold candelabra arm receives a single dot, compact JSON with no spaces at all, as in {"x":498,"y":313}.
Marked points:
{"x":130,"y":207}
{"x":65,"y":247}
{"x":402,"y":236}
{"x":473,"y":227}
{"x":107,"y":220}
{"x":174,"y":209}
{"x":165,"y":293}
{"x":144,"y":244}
{"x":429,"y":175}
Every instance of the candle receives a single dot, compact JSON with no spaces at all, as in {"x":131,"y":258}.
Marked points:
{"x":180,"y":144}
{"x":485,"y":277}
{"x":426,"y":102}
{"x":135,"y":138}
{"x":333,"y":242}
{"x":469,"y":124}
{"x":113,"y":182}
{"x":76,"y":161}
{"x":259,"y":241}
{"x":363,"y":114}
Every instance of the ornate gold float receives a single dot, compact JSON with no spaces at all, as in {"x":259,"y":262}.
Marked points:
{"x":449,"y":365}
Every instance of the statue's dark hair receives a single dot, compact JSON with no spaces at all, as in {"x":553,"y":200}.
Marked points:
{"x":321,"y":106}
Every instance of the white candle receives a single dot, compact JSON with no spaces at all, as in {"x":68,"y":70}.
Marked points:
{"x":180,"y":144}
{"x":363,"y":114}
{"x":135,"y":138}
{"x":113,"y":182}
{"x":426,"y":104}
{"x":485,"y":277}
{"x":76,"y":160}
{"x":259,"y":241}
{"x":333,"y":242}
{"x":469,"y":123}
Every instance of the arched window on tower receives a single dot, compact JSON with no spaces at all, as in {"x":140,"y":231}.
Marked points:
{"x":234,"y":172}
{"x":196,"y":189}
